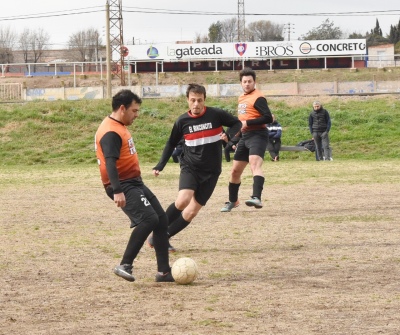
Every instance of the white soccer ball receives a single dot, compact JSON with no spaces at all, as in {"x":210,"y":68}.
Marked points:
{"x":184,"y":270}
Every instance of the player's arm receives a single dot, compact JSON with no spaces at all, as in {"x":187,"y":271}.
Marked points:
{"x":261,"y":106}
{"x":173,"y":141}
{"x":234,"y":124}
{"x":111,"y":144}
{"x":328,"y":122}
{"x":278,"y":131}
{"x":310,"y":123}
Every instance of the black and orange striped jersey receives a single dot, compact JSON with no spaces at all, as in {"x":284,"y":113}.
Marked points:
{"x":253,"y":108}
{"x":202,"y":149}
{"x":125,"y":151}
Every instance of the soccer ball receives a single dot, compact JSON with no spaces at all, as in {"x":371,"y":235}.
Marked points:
{"x":184,"y":270}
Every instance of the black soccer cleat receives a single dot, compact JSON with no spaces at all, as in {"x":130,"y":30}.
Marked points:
{"x":164,"y":278}
{"x":124,"y":271}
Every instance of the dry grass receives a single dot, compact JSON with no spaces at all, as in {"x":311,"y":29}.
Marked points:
{"x":321,"y":257}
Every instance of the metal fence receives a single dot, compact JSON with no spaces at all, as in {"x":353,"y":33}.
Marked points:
{"x":51,"y":69}
{"x":80,"y":68}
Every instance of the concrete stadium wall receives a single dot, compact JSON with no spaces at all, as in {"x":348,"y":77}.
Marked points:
{"x":216,"y":90}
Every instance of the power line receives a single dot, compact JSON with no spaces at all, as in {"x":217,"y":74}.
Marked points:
{"x":173,"y":11}
{"x":146,"y":10}
{"x":52,"y":14}
{"x":184,"y":12}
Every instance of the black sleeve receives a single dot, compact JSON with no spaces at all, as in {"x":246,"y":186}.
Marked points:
{"x":261,"y":106}
{"x":310,"y":123}
{"x":234,"y":124}
{"x":173,"y":141}
{"x":111,"y":144}
{"x":328,"y":121}
{"x":236,"y":138}
{"x":111,"y":166}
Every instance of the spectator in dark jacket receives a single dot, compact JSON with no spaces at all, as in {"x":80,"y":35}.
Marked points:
{"x":274,"y":138}
{"x":319,"y":123}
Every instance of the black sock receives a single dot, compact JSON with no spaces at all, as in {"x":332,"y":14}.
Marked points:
{"x":233,"y":191}
{"x":160,"y":239}
{"x":258,"y":185}
{"x":172,"y":213}
{"x":137,"y":239}
{"x":175,"y":227}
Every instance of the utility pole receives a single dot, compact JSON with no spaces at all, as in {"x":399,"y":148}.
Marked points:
{"x":289,"y":28}
{"x":108,"y":51}
{"x":115,"y":42}
{"x":241,"y":22}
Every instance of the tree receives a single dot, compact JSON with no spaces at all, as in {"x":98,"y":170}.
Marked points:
{"x":377,"y":30}
{"x":326,"y":31}
{"x":229,"y":30}
{"x":215,"y":32}
{"x":86,"y":43}
{"x":394,"y":35}
{"x":397,"y":48}
{"x":200,"y":39}
{"x":33,"y":43}
{"x":8,"y":39}
{"x":264,"y":31}
{"x":356,"y":36}
{"x":375,"y":37}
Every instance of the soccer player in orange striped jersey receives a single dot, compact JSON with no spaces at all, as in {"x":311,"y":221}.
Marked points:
{"x":254,"y":113}
{"x":120,"y":173}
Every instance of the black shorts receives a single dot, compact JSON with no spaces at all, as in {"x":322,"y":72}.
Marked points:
{"x":251,"y":143}
{"x":203,"y":184}
{"x":141,"y":203}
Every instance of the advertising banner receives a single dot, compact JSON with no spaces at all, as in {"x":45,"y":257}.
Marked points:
{"x":247,"y":50}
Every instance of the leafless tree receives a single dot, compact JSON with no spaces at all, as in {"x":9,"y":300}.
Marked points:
{"x":219,"y":32}
{"x":264,"y":31}
{"x":201,"y":39}
{"x":8,"y":40}
{"x":229,"y":30}
{"x":33,"y":44}
{"x":86,"y":43}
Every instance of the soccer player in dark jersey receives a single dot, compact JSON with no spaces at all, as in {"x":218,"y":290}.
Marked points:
{"x":254,"y":113}
{"x":121,"y":177}
{"x":201,"y":160}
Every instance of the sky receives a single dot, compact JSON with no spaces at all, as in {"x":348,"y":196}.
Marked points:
{"x":143,"y":22}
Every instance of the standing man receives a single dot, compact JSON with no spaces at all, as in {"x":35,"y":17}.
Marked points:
{"x":274,"y":138}
{"x":319,"y":123}
{"x":201,"y":159}
{"x":254,"y":113}
{"x":121,"y":177}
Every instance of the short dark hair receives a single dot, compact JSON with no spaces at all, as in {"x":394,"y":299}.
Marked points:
{"x":247,"y":72}
{"x":125,"y":98}
{"x":196,"y":88}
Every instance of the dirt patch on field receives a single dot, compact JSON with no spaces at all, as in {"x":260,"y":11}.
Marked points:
{"x":321,"y":257}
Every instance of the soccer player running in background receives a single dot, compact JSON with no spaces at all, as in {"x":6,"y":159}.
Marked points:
{"x":121,"y":177}
{"x":274,"y":138}
{"x":254,"y":113}
{"x":201,"y":160}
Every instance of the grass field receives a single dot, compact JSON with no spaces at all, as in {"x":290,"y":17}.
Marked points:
{"x":321,"y":257}
{"x":62,"y":132}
